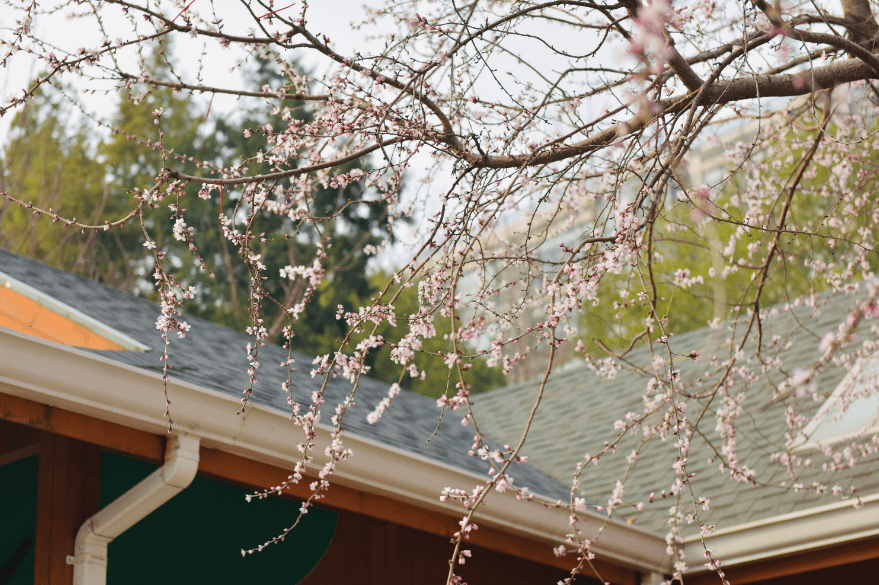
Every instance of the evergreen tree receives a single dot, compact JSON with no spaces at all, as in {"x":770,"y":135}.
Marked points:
{"x":53,"y":164}
{"x":59,"y":167}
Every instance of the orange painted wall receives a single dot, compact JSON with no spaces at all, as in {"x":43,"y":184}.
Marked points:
{"x":19,"y":313}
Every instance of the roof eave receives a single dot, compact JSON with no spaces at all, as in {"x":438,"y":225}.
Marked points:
{"x":810,"y":529}
{"x":49,"y":302}
{"x":100,"y":387}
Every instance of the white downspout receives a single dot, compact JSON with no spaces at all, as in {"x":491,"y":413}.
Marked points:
{"x":653,"y":578}
{"x":90,"y":551}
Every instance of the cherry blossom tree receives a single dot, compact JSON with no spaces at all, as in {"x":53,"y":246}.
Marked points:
{"x":549,"y":151}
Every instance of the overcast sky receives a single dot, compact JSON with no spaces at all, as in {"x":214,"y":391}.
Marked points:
{"x":332,"y":18}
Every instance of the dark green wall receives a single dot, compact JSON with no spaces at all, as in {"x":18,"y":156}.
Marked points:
{"x":18,"y":521}
{"x":197,"y":536}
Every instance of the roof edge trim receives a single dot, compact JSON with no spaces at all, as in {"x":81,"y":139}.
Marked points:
{"x":90,"y":323}
{"x":785,"y":534}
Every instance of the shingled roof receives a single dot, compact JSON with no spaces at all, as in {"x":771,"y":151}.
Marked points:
{"x":579,"y":407}
{"x":214,"y":357}
{"x":576,"y":416}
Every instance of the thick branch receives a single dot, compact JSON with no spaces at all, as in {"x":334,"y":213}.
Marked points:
{"x":237,"y":92}
{"x":680,"y":66}
{"x":788,"y":85}
{"x":840,"y":43}
{"x":683,"y":70}
{"x":177,"y":175}
{"x":860,"y":19}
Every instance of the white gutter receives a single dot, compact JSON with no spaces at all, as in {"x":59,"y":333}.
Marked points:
{"x":90,"y":549}
{"x":89,"y":384}
{"x":814,"y":528}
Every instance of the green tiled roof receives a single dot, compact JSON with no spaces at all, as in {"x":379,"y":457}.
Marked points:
{"x":578,"y":411}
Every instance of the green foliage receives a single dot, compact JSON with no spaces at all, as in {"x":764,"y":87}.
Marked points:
{"x":223,"y":296}
{"x":703,"y":249}
{"x":137,"y":151}
{"x":53,"y":165}
{"x":82,"y":177}
{"x":436,"y":378}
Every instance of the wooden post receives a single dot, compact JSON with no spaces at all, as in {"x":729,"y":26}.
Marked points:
{"x":68,"y":493}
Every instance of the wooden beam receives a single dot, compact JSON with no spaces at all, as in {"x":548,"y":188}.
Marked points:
{"x":17,"y":454}
{"x":43,"y":539}
{"x":109,"y":435}
{"x":795,"y":564}
{"x":67,"y":494}
{"x":254,"y":474}
{"x":385,"y":553}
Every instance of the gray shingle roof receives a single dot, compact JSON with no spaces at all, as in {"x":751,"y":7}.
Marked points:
{"x":579,"y":408}
{"x":214,"y":357}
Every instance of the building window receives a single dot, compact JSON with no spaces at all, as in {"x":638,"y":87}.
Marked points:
{"x":850,"y":412}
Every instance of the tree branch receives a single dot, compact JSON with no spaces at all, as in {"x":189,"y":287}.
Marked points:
{"x":861,"y":21}
{"x":177,"y":175}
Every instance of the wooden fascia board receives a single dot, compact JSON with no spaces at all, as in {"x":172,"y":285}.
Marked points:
{"x":813,"y":560}
{"x":111,"y":436}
